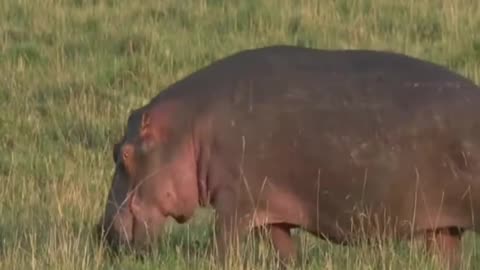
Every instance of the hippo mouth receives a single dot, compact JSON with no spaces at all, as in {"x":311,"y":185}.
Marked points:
{"x":144,"y":231}
{"x":117,"y":233}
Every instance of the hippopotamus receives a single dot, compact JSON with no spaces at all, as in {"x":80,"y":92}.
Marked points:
{"x":348,"y":145}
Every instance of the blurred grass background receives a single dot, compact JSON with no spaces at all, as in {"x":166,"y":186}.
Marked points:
{"x":71,"y":71}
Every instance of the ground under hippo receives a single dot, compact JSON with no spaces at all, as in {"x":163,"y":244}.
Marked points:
{"x":345,"y":144}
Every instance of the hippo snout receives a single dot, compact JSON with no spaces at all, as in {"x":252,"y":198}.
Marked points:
{"x":115,"y":234}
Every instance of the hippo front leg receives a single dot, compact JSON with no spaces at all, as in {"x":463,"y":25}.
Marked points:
{"x":227,"y":237}
{"x":228,"y":231}
{"x":446,"y":243}
{"x":283,"y":243}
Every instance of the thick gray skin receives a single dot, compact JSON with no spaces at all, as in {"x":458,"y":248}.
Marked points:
{"x":344,"y":144}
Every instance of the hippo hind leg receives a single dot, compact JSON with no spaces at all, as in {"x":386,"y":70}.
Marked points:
{"x":446,"y":244}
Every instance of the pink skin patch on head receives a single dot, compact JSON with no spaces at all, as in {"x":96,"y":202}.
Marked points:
{"x":156,"y":122}
{"x":173,"y":190}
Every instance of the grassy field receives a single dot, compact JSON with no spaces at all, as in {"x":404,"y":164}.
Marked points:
{"x":71,"y":71}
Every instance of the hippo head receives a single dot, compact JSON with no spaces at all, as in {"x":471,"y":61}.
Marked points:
{"x":155,"y":178}
{"x":116,"y":223}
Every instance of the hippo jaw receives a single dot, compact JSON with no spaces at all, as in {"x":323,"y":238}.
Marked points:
{"x":115,"y":227}
{"x":145,"y":230}
{"x":126,"y":221}
{"x":117,"y":232}
{"x":125,"y":230}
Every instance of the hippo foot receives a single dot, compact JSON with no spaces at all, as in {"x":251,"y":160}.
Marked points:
{"x":445,"y":245}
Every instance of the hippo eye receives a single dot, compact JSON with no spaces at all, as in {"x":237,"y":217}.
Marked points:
{"x":127,"y":152}
{"x":125,"y":155}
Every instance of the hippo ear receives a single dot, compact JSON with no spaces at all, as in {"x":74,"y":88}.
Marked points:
{"x":146,"y":123}
{"x":146,"y":132}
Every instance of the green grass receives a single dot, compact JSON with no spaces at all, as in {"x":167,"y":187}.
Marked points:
{"x":71,"y":71}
